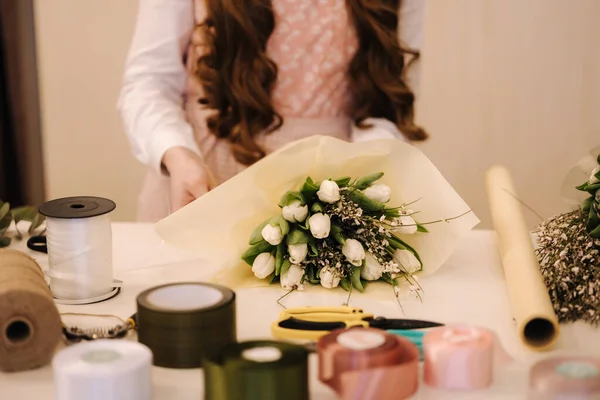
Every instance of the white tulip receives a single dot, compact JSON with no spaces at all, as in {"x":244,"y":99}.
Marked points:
{"x":263,"y":265}
{"x":292,"y":278}
{"x":298,"y":252}
{"x":329,"y":192}
{"x":379,"y":192}
{"x":295,"y":211}
{"x":329,"y":278}
{"x":354,"y":252}
{"x":593,"y":179}
{"x":320,"y":225}
{"x":272,"y":234}
{"x":405,"y":225}
{"x":407,"y":260}
{"x":372,"y":270}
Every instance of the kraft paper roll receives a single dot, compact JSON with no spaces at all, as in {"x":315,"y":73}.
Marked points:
{"x":458,"y":358}
{"x":264,"y":370}
{"x":103,"y":370}
{"x":530,"y":303}
{"x":368,"y":364}
{"x":183,"y":322}
{"x":572,"y":378}
{"x":29,"y":321}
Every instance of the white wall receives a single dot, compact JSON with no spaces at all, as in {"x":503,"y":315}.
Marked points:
{"x":82,"y":45}
{"x":504,"y":81}
{"x":513,"y":82}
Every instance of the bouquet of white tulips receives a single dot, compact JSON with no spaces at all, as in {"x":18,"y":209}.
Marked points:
{"x":330,"y":232}
{"x":336,"y":232}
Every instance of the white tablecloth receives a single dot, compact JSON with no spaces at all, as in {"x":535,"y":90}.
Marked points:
{"x":470,"y":288}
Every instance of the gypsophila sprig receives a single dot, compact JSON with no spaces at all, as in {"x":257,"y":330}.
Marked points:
{"x":337,"y":232}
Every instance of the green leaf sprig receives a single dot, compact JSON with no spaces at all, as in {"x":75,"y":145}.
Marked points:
{"x":18,"y":214}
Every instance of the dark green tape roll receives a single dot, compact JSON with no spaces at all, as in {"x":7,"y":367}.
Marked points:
{"x":183,"y":322}
{"x":251,"y":370}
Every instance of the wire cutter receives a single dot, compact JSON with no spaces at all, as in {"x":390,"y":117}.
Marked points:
{"x":311,"y":323}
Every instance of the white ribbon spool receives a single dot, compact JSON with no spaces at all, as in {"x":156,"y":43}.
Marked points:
{"x":79,"y":241}
{"x":103,"y":370}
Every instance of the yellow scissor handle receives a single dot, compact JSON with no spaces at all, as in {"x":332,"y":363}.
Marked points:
{"x":351,"y":316}
{"x":325,"y":314}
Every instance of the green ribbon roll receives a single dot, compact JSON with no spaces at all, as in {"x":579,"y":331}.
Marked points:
{"x":183,"y":322}
{"x":264,"y":370}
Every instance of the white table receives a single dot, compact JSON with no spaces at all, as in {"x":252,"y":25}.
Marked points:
{"x":470,"y":288}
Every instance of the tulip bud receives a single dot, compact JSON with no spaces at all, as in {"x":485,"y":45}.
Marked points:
{"x":372,"y":270}
{"x":329,"y":278}
{"x":405,"y":224}
{"x":292,"y":278}
{"x":329,"y":192}
{"x":272,"y":234}
{"x":354,"y":252}
{"x":407,"y":260}
{"x":295,"y":211}
{"x":379,"y":192}
{"x":319,"y":225}
{"x":298,"y":252}
{"x":264,"y":265}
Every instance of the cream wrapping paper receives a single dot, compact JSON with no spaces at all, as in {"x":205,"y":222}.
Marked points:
{"x":217,"y":226}
{"x":530,"y":303}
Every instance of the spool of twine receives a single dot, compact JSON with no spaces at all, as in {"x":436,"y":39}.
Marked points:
{"x":30,"y":325}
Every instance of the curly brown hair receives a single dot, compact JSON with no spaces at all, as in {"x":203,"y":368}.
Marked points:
{"x":238,"y":77}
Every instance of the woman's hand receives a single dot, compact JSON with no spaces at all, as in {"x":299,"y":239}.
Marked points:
{"x":189,"y":176}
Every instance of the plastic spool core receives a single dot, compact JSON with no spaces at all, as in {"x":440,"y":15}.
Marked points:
{"x":185,"y":297}
{"x":360,"y":340}
{"x":18,"y":331}
{"x":262,"y":354}
{"x":539,"y":332}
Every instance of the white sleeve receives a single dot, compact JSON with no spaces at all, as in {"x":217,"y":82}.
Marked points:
{"x":410,"y":33}
{"x":155,"y":78}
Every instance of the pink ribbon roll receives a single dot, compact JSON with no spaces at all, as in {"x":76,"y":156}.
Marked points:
{"x":572,"y":378}
{"x":458,"y":358}
{"x":368,"y":364}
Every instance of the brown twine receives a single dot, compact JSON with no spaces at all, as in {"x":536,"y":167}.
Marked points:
{"x":30,"y":325}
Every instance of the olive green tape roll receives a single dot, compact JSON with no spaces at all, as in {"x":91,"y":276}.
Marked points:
{"x":264,"y":370}
{"x":183,"y":322}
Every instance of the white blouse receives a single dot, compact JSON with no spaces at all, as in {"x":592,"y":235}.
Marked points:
{"x":155,"y":78}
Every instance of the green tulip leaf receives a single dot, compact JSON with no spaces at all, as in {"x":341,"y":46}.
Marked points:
{"x":367,"y":204}
{"x":346,"y":284}
{"x":338,"y":234}
{"x":316,"y":208}
{"x":250,"y":255}
{"x":256,"y":236}
{"x":367,"y":181}
{"x":280,"y":252}
{"x":290,"y":197}
{"x":297,"y":236}
{"x":355,"y":279}
{"x":342,"y":182}
{"x":285,"y":266}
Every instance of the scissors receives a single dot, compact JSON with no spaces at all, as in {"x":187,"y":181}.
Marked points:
{"x":313,"y":322}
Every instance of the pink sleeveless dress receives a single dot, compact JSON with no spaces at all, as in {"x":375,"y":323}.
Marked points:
{"x":312,"y":44}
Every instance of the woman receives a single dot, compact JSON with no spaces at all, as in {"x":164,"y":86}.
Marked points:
{"x":212,"y":86}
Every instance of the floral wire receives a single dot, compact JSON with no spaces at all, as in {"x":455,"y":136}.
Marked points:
{"x":525,"y":205}
{"x":284,"y":296}
{"x":441,"y":220}
{"x":349,"y":294}
{"x":396,"y":293}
